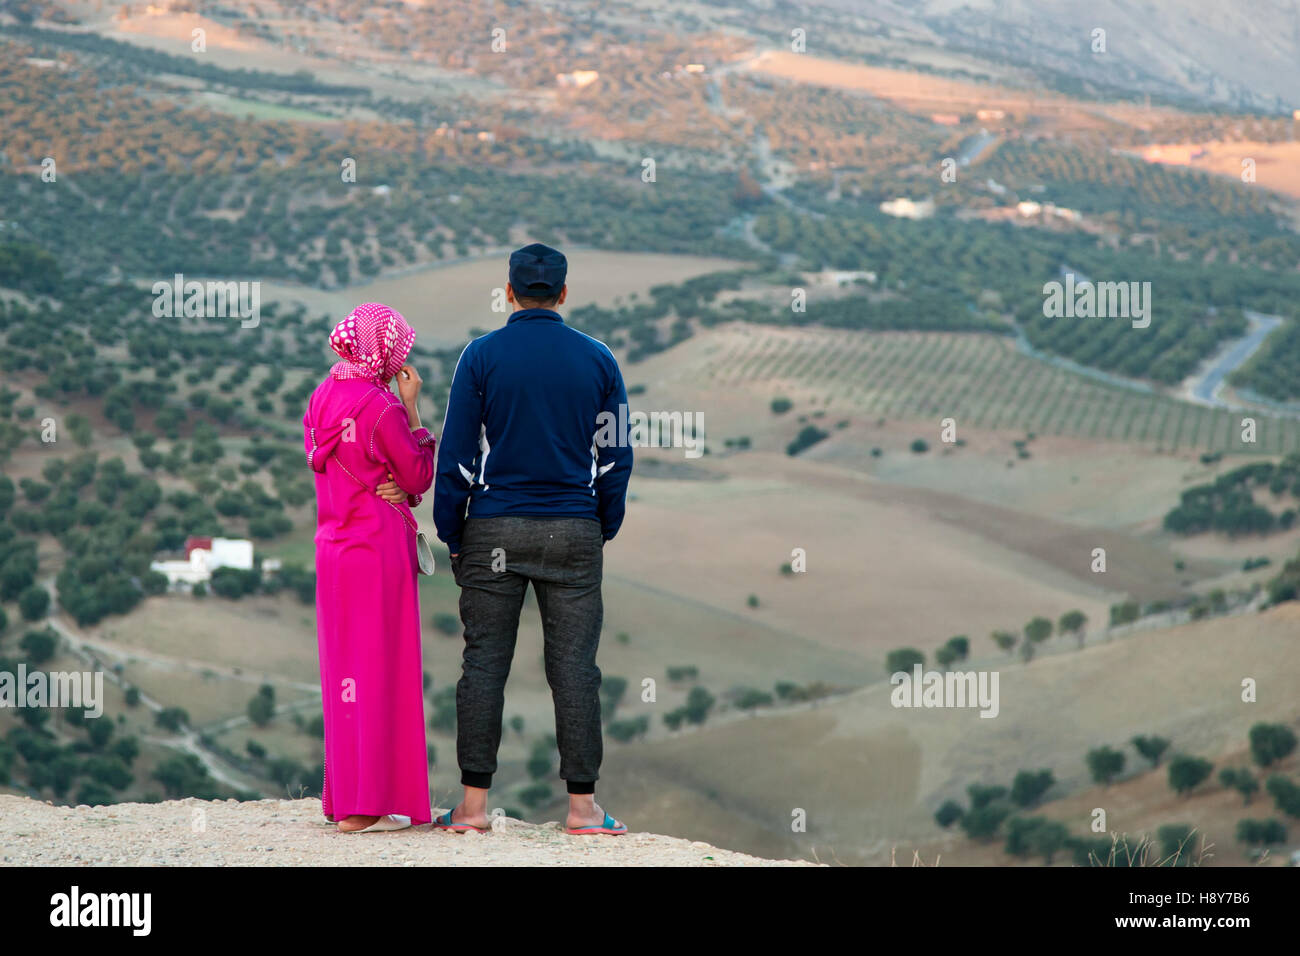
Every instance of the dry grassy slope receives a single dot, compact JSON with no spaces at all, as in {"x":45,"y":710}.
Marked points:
{"x":293,"y":833}
{"x":1139,"y":806}
{"x":870,"y":776}
{"x":443,"y":302}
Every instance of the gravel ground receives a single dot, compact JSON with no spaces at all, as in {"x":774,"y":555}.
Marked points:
{"x":293,"y":833}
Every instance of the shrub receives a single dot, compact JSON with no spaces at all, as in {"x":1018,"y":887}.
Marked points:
{"x":261,"y":708}
{"x":1005,"y":640}
{"x":954,"y":649}
{"x":234,"y":583}
{"x":903,"y":659}
{"x":748,"y":698}
{"x":172,"y":718}
{"x":1104,"y":764}
{"x":184,"y":775}
{"x":982,"y":823}
{"x":1260,"y":832}
{"x":948,"y":814}
{"x":1243,"y":781}
{"x":1186,"y":772}
{"x":808,"y":436}
{"x":1072,"y":622}
{"x":1285,"y":794}
{"x":1150,"y":747}
{"x":109,"y":771}
{"x":1270,"y":743}
{"x":699,"y":702}
{"x":34,"y":603}
{"x":40,"y":645}
{"x":626,"y":730}
{"x":981,"y":795}
{"x":126,"y":749}
{"x":1029,"y":786}
{"x":1124,"y":613}
{"x":1038,"y":630}
{"x":1038,"y":835}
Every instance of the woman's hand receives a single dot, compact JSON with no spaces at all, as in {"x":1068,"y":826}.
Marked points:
{"x":390,"y":492}
{"x":408,"y":388}
{"x":408,"y":385}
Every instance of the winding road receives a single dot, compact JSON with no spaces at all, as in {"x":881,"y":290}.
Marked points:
{"x":1206,"y":388}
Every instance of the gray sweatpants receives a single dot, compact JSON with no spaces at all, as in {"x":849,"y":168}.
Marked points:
{"x":563,"y":559}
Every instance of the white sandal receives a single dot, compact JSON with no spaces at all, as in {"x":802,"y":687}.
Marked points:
{"x":393,"y":821}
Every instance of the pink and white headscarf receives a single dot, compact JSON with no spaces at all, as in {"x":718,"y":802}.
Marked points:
{"x":373,"y":342}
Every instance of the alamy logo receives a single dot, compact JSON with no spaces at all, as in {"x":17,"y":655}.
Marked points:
{"x":53,"y":689}
{"x":647,"y":430}
{"x":1085,"y":299}
{"x":176,"y":298}
{"x":946,"y":689}
{"x":133,"y":910}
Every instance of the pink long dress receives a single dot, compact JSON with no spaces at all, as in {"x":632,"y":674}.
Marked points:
{"x":367,"y":603}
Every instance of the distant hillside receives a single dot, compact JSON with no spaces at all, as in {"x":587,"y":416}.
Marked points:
{"x":1202,"y":49}
{"x":871,"y":776}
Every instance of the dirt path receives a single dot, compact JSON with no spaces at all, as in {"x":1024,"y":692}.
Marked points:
{"x":187,"y":740}
{"x":293,"y":833}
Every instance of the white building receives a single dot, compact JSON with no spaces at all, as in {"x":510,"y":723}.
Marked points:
{"x":201,"y":561}
{"x":908,"y":208}
{"x":841,"y":277}
{"x":183,"y":575}
{"x":577,"y":79}
{"x":230,"y":553}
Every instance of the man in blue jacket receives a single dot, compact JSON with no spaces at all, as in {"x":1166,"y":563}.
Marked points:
{"x":533,"y":466}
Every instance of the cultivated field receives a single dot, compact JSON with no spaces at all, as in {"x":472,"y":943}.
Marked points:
{"x":981,"y":381}
{"x":1276,"y":166}
{"x":911,"y":90}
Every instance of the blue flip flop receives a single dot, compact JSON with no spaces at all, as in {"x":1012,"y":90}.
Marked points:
{"x":610,"y":827}
{"x":444,"y":822}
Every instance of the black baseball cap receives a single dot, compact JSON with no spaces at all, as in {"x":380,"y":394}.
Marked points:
{"x":538,"y":271}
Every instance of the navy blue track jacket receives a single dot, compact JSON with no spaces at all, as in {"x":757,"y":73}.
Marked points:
{"x":536,"y":425}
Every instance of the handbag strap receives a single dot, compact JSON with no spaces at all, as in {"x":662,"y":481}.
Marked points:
{"x":356,"y":410}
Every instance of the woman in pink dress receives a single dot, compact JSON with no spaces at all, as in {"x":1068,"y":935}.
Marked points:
{"x":359,"y":436}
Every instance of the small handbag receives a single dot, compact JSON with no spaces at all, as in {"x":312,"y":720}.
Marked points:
{"x":423,"y":552}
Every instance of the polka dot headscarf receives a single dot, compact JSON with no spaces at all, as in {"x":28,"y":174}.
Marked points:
{"x":373,"y":342}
